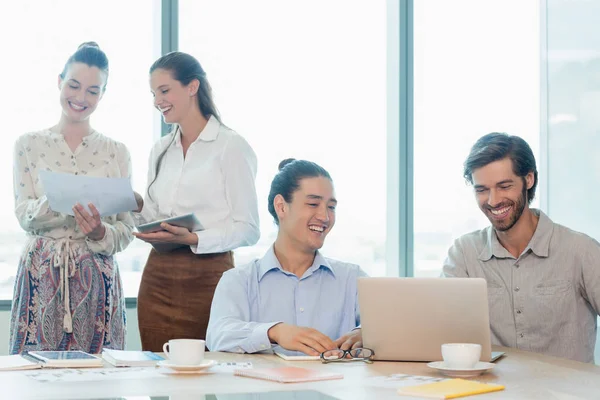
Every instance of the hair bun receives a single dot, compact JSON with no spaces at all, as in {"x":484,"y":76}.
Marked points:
{"x":286,"y":162}
{"x":88,"y":44}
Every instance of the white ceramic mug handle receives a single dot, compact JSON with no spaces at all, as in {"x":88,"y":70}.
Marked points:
{"x":165,"y":349}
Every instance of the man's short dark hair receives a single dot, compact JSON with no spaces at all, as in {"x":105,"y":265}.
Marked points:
{"x":498,"y":146}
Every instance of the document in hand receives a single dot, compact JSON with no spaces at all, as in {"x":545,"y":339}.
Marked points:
{"x":449,"y":389}
{"x":287,"y":374}
{"x":109,"y":195}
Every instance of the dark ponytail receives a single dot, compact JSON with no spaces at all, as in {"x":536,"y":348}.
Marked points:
{"x":287,"y":180}
{"x":185,"y":68}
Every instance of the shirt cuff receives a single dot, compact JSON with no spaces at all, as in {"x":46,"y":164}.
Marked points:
{"x":100,"y":246}
{"x":138,"y":218}
{"x":209,"y":241}
{"x":259,"y":338}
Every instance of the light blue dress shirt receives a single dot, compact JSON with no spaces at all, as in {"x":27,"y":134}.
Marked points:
{"x":250,"y":299}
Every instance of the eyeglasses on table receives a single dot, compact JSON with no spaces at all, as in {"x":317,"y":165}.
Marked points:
{"x":338,"y":355}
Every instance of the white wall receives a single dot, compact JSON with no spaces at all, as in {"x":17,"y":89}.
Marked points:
{"x":132,"y":340}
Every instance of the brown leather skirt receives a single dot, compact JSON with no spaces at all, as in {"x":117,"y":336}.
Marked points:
{"x":175,"y":295}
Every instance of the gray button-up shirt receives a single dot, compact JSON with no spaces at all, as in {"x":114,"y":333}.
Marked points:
{"x":547,"y":299}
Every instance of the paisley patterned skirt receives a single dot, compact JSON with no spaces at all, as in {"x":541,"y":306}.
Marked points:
{"x":97,"y":305}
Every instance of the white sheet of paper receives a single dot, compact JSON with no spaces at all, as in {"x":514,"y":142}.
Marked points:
{"x":305,"y":357}
{"x":109,"y":195}
{"x":93,"y":374}
{"x":229,"y":367}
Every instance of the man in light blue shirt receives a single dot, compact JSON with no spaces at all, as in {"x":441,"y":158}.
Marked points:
{"x":292,"y":297}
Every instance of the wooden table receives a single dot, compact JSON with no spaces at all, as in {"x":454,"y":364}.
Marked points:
{"x":525,"y":375}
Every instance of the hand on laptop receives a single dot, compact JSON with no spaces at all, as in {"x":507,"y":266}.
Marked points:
{"x":350,"y":340}
{"x":299,"y":338}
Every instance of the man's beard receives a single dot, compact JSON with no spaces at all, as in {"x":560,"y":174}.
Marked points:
{"x":517,"y":211}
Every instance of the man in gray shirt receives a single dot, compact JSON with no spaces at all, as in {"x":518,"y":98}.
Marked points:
{"x":543,"y":279}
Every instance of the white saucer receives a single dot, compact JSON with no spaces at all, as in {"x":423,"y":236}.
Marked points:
{"x":480,"y":368}
{"x":187,"y":368}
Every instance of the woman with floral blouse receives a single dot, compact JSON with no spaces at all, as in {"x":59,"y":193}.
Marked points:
{"x":68,"y":293}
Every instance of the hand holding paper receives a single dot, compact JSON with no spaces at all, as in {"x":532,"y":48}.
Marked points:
{"x":110,"y":196}
{"x":91,"y":225}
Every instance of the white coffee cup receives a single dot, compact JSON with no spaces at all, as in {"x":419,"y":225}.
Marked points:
{"x":461,"y":355}
{"x":185,"y":351}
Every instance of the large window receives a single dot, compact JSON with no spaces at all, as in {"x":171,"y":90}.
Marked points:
{"x":307,"y":80}
{"x":34,"y":52}
{"x":476,"y":70}
{"x":573,"y":123}
{"x":304,"y":80}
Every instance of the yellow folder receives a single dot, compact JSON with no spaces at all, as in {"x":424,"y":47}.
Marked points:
{"x":449,"y":389}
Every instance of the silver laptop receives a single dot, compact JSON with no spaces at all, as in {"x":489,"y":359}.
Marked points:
{"x":408,"y":319}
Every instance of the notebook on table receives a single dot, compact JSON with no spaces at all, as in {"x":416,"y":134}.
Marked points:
{"x":287,"y":374}
{"x":449,"y":389}
{"x":125,"y":358}
{"x":64,"y":359}
{"x":297,"y":357}
{"x":17,"y":363}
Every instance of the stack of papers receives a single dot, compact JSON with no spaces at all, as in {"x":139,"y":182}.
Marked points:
{"x":124,"y":358}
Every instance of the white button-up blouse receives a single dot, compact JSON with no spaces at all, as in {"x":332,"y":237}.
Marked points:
{"x":215,"y":180}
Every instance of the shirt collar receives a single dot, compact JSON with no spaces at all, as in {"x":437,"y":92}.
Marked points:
{"x":208,"y":134}
{"x":539,"y":243}
{"x":270,"y":262}
{"x":93,"y":135}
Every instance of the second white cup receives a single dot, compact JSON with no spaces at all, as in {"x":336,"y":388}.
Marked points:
{"x":185,"y":351}
{"x":461,"y":355}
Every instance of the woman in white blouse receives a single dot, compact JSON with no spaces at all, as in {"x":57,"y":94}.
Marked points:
{"x":68,"y":293}
{"x":201,"y":167}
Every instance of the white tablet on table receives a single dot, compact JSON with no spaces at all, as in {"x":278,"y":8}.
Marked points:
{"x":66,"y":359}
